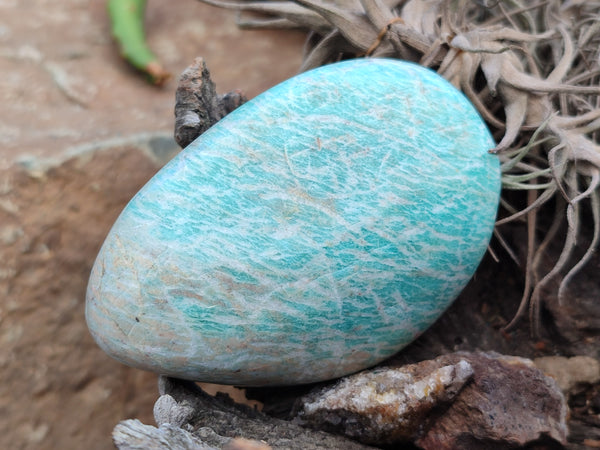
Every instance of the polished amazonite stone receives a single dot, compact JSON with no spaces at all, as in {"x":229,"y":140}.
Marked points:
{"x":313,"y":232}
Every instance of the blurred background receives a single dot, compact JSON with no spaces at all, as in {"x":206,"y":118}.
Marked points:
{"x":80,"y":133}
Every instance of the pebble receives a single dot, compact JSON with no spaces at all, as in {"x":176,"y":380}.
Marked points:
{"x":313,"y":232}
{"x":463,"y":400}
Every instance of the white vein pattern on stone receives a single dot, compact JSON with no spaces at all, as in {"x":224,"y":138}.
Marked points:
{"x":311,"y":233}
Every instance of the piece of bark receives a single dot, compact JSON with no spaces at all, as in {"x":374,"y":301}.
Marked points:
{"x":134,"y":435}
{"x":215,"y":421}
{"x":197,"y":104}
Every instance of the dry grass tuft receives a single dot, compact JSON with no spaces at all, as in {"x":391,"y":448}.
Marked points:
{"x":531,"y":69}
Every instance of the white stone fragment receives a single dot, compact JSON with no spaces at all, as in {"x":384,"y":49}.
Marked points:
{"x":385,"y":402}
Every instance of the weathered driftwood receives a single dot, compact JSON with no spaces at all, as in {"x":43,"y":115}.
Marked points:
{"x":133,"y":435}
{"x":197,"y":104}
{"x":215,"y":422}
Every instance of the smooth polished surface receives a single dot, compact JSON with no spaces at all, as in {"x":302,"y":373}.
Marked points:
{"x":311,"y":233}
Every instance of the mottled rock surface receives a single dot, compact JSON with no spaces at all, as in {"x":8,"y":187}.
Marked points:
{"x":457,"y":401}
{"x":313,"y":232}
{"x":385,"y":406}
{"x":509,"y":403}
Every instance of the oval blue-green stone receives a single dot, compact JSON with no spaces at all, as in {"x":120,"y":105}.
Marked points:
{"x":313,"y":232}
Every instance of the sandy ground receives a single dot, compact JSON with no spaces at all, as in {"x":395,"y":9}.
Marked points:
{"x":80,"y":132}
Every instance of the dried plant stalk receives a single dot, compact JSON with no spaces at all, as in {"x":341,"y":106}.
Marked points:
{"x":532,"y":69}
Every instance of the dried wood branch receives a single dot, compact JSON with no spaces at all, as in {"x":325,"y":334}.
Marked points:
{"x":189,"y":418}
{"x":197,"y":104}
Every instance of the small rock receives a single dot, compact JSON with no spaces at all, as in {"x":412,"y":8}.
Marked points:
{"x":316,"y":246}
{"x":384,"y":406}
{"x":570,"y":372}
{"x":508,"y":404}
{"x":457,"y":401}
